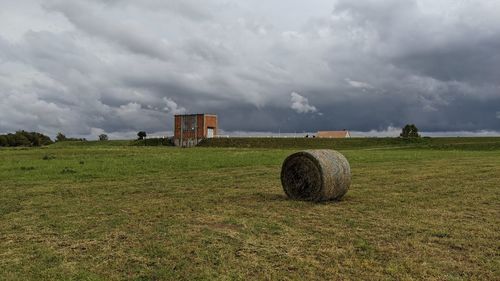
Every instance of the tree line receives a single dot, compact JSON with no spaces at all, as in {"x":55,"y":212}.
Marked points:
{"x":23,"y":138}
{"x":61,"y":137}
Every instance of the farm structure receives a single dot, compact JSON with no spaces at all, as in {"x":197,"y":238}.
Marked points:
{"x":190,"y":129}
{"x":333,"y":134}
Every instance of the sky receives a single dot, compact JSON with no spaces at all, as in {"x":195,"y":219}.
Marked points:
{"x":122,"y":66}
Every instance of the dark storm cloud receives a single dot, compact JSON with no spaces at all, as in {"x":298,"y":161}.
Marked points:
{"x":119,"y":66}
{"x":473,"y":61}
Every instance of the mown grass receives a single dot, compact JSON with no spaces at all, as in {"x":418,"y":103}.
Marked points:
{"x":477,"y":143}
{"x":109,"y":211}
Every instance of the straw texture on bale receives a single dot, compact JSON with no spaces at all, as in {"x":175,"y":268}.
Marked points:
{"x":316,"y":175}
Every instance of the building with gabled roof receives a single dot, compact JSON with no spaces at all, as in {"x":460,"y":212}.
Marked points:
{"x":333,"y":134}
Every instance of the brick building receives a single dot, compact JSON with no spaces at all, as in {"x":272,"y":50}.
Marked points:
{"x":190,"y":129}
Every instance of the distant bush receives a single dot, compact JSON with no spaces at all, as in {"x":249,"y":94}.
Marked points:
{"x":141,"y":135}
{"x":23,"y":138}
{"x":154,"y":142}
{"x":103,"y":137}
{"x":409,"y":131}
{"x":61,"y":137}
{"x":3,"y":140}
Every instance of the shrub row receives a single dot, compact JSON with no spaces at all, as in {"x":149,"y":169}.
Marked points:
{"x":154,"y":142}
{"x":23,"y":138}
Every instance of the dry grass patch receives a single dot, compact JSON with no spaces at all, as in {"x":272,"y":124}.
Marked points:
{"x":165,"y":213}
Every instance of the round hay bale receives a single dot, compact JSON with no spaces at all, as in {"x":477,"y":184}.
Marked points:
{"x":316,"y":175}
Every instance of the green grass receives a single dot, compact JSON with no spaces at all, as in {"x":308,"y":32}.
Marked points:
{"x":110,"y":211}
{"x":478,"y":143}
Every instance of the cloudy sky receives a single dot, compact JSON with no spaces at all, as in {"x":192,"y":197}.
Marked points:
{"x":119,"y":66}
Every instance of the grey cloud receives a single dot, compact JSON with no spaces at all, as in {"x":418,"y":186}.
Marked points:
{"x":125,"y":35}
{"x":472,"y":61}
{"x":189,"y":9}
{"x":120,"y":66}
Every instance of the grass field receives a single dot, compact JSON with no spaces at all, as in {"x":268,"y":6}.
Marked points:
{"x":477,"y":143}
{"x":110,"y":211}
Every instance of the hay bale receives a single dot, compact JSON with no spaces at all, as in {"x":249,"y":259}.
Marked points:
{"x":316,"y":175}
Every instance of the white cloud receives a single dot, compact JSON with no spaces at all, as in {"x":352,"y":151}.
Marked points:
{"x":26,"y":111}
{"x":129,"y":108}
{"x":359,"y":84}
{"x":173,"y":107}
{"x":479,"y":133}
{"x":498,"y":114}
{"x":301,"y":104}
{"x":390,"y":131}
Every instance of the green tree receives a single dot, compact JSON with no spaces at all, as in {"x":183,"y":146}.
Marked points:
{"x":24,"y":138}
{"x":103,"y":137}
{"x":60,"y":137}
{"x":35,"y":139}
{"x":21,"y":139}
{"x":409,"y":131}
{"x":141,"y":135}
{"x":3,"y":141}
{"x":11,"y":139}
{"x":44,"y":140}
{"x":32,"y":137}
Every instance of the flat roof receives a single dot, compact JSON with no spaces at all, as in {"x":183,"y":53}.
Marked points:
{"x":195,"y":114}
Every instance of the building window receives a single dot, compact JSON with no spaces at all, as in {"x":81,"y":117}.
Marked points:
{"x":189,"y":123}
